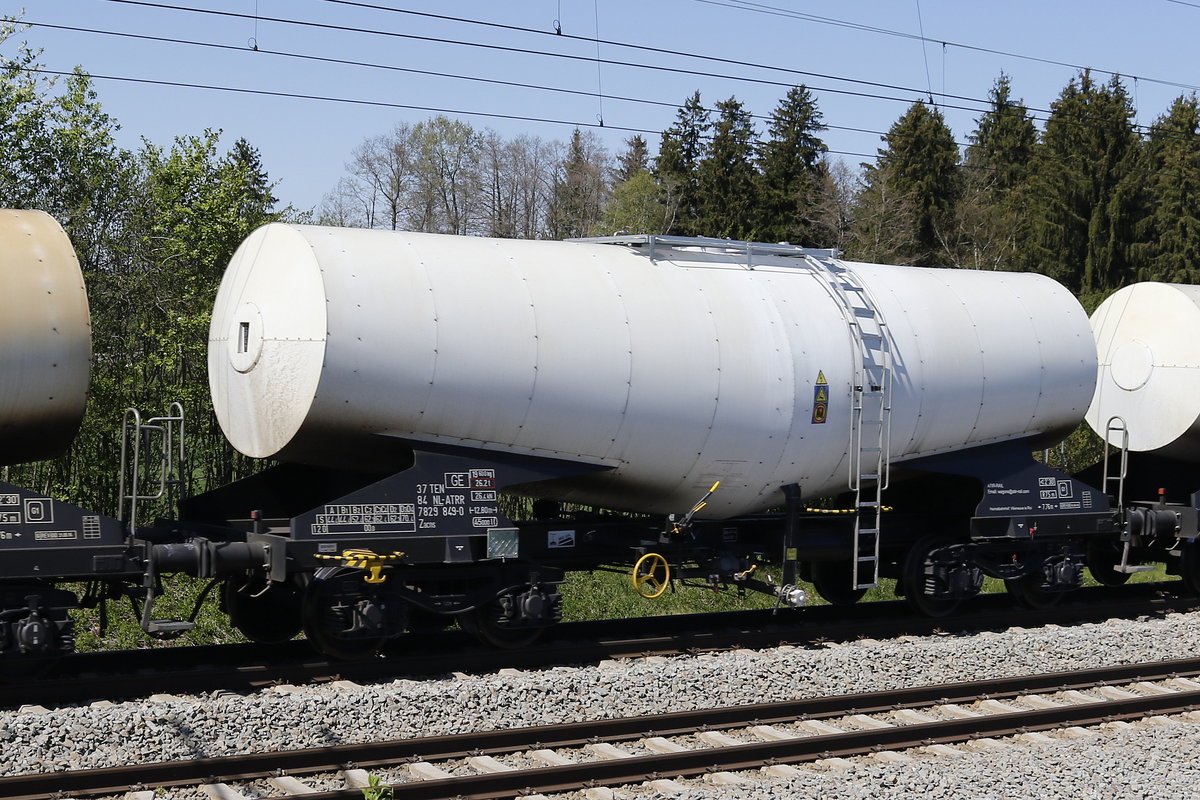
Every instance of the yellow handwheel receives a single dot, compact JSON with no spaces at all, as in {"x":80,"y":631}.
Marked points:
{"x":651,"y":574}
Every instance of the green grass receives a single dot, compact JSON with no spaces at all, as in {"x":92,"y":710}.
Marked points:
{"x":608,"y":595}
{"x":586,"y":596}
{"x":179,"y":597}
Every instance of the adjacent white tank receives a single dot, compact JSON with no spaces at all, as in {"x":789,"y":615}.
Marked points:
{"x":1148,"y":341}
{"x":675,"y":370}
{"x":45,"y":338}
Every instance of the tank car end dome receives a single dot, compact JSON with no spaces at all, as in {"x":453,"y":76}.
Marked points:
{"x":1149,"y":368}
{"x":267,"y":340}
{"x":45,"y":338}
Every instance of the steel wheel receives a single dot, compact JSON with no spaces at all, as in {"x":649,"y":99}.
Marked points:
{"x":1189,"y":567}
{"x":831,"y":579}
{"x":913,"y":576}
{"x":330,"y":602}
{"x":484,"y":624}
{"x":1102,"y":556}
{"x":264,"y":612}
{"x":1028,"y":592}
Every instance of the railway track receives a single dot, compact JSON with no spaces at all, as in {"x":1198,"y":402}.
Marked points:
{"x":729,"y":744}
{"x":249,"y":667}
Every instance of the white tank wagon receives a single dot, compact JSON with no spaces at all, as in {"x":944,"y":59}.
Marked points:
{"x":1148,"y":343}
{"x":45,"y":338}
{"x":673,"y":364}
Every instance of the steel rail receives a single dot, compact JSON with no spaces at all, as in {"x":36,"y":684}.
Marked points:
{"x":116,"y":675}
{"x":692,"y":763}
{"x":117,"y":780}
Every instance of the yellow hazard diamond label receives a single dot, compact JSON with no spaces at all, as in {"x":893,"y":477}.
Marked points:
{"x":820,"y":409}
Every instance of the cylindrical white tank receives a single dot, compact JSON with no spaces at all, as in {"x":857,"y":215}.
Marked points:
{"x":45,"y":338}
{"x":676,"y":370}
{"x":1148,"y":341}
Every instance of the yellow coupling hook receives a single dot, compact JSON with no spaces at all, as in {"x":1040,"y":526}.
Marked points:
{"x":369,"y":560}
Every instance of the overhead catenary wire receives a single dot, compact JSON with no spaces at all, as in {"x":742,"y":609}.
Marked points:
{"x":1037,"y":115}
{"x":409,"y":70}
{"x":745,"y":5}
{"x":571,"y":56}
{"x":741,"y":5}
{"x":411,"y":107}
{"x":601,"y":123}
{"x":924,"y":52}
{"x":599,"y":86}
{"x":364,"y":102}
{"x":982,"y":105}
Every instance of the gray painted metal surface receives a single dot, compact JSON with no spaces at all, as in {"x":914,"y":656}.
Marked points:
{"x":45,"y":338}
{"x":692,"y":365}
{"x":1148,"y":340}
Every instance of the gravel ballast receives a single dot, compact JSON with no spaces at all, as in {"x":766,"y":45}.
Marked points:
{"x":1145,"y":760}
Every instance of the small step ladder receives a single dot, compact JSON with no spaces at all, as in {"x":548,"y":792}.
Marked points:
{"x":1116,"y":425}
{"x":152,"y":468}
{"x":870,"y":419}
{"x":152,"y":455}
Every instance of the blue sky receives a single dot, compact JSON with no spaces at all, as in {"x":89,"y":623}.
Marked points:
{"x":856,"y":44}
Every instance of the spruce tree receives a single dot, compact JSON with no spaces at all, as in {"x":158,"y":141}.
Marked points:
{"x":258,"y":194}
{"x":1003,"y":143}
{"x":675,"y":169}
{"x":635,"y":159}
{"x":992,"y":214}
{"x":917,"y":173}
{"x":1172,"y":229}
{"x":793,"y":173}
{"x":727,"y":178}
{"x":579,"y":193}
{"x":1081,"y":224}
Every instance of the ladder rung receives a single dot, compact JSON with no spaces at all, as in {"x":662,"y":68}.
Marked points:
{"x":867,"y":476}
{"x":872,"y":532}
{"x":868,"y":503}
{"x":866,"y":559}
{"x":865,"y":585}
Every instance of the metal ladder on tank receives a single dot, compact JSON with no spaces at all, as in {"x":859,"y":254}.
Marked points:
{"x":870,"y":418}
